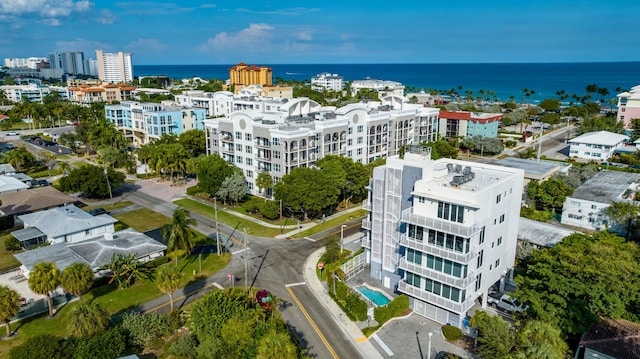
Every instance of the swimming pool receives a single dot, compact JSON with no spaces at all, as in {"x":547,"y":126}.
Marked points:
{"x":378,"y":298}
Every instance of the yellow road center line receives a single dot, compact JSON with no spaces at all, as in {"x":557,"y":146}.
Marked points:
{"x":313,"y":324}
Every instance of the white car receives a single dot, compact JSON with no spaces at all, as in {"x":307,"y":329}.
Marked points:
{"x":12,"y":133}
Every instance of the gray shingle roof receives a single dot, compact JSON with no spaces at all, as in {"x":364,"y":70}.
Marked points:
{"x":605,"y":186}
{"x":58,"y":253}
{"x":61,"y":221}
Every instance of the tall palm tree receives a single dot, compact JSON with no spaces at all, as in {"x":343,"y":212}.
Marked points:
{"x":44,"y":279}
{"x":168,"y":281}
{"x":9,"y":306}
{"x":88,"y":318}
{"x":538,"y":339}
{"x":178,"y":234}
{"x":77,"y":278}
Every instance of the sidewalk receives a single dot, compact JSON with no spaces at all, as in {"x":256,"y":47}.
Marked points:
{"x":312,"y":224}
{"x":349,"y":328}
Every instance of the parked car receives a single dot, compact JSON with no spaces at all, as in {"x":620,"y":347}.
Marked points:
{"x":505,"y":302}
{"x":12,"y":133}
{"x":447,"y":355}
{"x":97,"y":211}
{"x":43,"y":183}
{"x":9,"y":146}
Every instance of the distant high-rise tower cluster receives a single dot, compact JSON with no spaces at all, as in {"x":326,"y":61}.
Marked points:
{"x":243,"y":74}
{"x":70,"y":62}
{"x":114,"y":67}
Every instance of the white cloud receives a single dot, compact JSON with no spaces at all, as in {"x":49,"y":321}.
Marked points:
{"x":145,"y":45}
{"x":49,"y":11}
{"x":151,"y":8}
{"x":305,"y":36}
{"x":87,"y":46}
{"x":106,"y":17}
{"x":255,"y":36}
{"x":287,"y":12}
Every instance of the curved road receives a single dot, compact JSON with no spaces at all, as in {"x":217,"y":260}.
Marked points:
{"x":277,"y":266}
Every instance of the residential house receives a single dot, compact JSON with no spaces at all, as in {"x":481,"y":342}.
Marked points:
{"x":611,"y":339}
{"x":9,"y":184}
{"x":629,"y":106}
{"x":442,"y":232}
{"x":585,"y":207}
{"x":465,"y":124}
{"x":596,"y":146}
{"x":33,"y":200}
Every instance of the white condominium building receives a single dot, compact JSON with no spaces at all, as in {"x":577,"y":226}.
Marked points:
{"x":32,"y":92}
{"x":327,"y":81}
{"x":383,"y":87}
{"x":29,"y":62}
{"x":114,"y":67}
{"x":442,"y":232}
{"x":280,"y":137}
{"x":223,"y":103}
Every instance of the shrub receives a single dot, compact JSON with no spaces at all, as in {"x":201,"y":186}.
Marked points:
{"x":451,"y":333}
{"x":40,"y":346}
{"x":143,"y":328}
{"x":396,"y":307}
{"x":185,"y":346}
{"x":270,"y":210}
{"x":193,"y":190}
{"x":253,"y":205}
{"x":356,"y":308}
{"x":6,"y":222}
{"x":12,"y":244}
{"x":110,"y":343}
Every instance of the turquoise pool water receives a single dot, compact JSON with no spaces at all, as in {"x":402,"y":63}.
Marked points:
{"x":378,"y":298}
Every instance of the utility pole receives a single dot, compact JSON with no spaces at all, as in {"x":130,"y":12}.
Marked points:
{"x":215,"y":208}
{"x":108,"y":184}
{"x":540,"y":141}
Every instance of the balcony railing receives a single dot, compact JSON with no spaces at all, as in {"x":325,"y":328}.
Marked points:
{"x":366,"y":205}
{"x":366,"y":224}
{"x":425,"y":247}
{"x":365,"y":242}
{"x":439,"y":224}
{"x":460,"y":308}
{"x":461,"y":283}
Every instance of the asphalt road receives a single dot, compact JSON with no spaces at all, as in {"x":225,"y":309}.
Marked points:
{"x":276,"y":265}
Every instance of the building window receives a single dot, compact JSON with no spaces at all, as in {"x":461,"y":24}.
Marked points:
{"x":247,"y":137}
{"x":482,"y":234}
{"x":414,"y":279}
{"x":498,"y":198}
{"x":360,"y":129}
{"x":421,"y":199}
{"x":238,"y":135}
{"x":359,"y":140}
{"x":451,"y":212}
{"x":249,"y":174}
{"x":248,"y":149}
{"x":479,"y":281}
{"x":501,"y":218}
{"x":249,"y":161}
{"x":238,"y":147}
{"x":500,"y":240}
{"x":497,"y":262}
{"x":276,"y":167}
{"x":350,"y":130}
{"x":359,"y":151}
{"x":593,"y":206}
{"x":414,"y":256}
{"x":480,"y":258}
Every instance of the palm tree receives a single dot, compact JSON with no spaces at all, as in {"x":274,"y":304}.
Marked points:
{"x":178,"y":234}
{"x":9,"y":306}
{"x":88,"y":318}
{"x":77,"y":278}
{"x":275,"y":344}
{"x":43,"y":279}
{"x":168,"y":281}
{"x":124,"y":269}
{"x":538,"y":339}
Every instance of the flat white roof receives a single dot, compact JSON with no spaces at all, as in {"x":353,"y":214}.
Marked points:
{"x":600,"y":138}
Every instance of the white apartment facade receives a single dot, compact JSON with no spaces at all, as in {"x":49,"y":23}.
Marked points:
{"x":596,"y":146}
{"x":32,"y":92}
{"x":382,"y":87}
{"x":280,"y":137}
{"x":29,"y":62}
{"x":114,"y":67}
{"x":442,"y":232}
{"x":327,"y":82}
{"x":223,"y":103}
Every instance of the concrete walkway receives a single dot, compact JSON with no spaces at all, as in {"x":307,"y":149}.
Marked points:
{"x":312,"y":224}
{"x":349,"y":328}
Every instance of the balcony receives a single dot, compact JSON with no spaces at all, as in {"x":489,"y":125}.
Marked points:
{"x":366,"y":205}
{"x":365,"y":242}
{"x":440,"y":224}
{"x":226,"y":137}
{"x":366,"y":224}
{"x":460,"y":308}
{"x":461,"y":283}
{"x":464,"y":258}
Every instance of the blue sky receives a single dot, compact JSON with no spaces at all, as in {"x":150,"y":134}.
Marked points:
{"x":298,"y":32}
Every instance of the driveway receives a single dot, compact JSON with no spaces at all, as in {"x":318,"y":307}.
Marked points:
{"x":16,"y":281}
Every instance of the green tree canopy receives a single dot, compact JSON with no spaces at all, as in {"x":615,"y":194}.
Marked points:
{"x":77,"y":278}
{"x":580,"y":279}
{"x":9,"y":306}
{"x":178,"y":234}
{"x":88,"y":318}
{"x":233,"y":188}
{"x":91,"y":181}
{"x":308,"y":191}
{"x":212,"y":170}
{"x":550,"y":104}
{"x":549,"y":194}
{"x":264,"y":181}
{"x":168,"y":281}
{"x":44,"y":278}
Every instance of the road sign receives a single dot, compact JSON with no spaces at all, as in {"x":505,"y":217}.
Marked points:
{"x":320,"y":265}
{"x":229,"y":276}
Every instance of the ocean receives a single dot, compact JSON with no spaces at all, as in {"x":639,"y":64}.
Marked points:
{"x":505,"y":80}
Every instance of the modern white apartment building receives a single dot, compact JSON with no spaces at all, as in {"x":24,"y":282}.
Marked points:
{"x":32,"y":92}
{"x":70,"y":62}
{"x":280,"y":136}
{"x":442,"y":232}
{"x":145,"y":122}
{"x":223,"y":103}
{"x":29,"y":62}
{"x":383,"y":87}
{"x":114,"y":67}
{"x":596,"y":146}
{"x":328,"y":82}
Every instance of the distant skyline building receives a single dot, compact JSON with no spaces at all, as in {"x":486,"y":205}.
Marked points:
{"x":70,"y":62}
{"x":382,"y":87}
{"x":114,"y":67}
{"x":327,"y":81}
{"x":29,"y":62}
{"x":243,"y":74}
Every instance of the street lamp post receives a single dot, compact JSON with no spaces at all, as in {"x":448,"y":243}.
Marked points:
{"x":215,"y":208}
{"x":342,"y":237}
{"x":429,"y":352}
{"x":108,"y":184}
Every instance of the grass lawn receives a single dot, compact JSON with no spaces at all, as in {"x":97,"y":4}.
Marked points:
{"x":143,"y":219}
{"x":112,"y":299}
{"x":7,"y":260}
{"x":228,"y":219}
{"x":332,"y":223}
{"x":111,"y":207}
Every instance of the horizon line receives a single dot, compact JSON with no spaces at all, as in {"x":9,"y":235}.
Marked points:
{"x":410,"y":63}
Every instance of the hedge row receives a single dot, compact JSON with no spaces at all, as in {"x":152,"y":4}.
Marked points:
{"x":396,"y":307}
